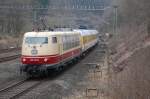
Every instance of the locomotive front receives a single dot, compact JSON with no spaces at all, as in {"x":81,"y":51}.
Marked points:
{"x":39,"y":51}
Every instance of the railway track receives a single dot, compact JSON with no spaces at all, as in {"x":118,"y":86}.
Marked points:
{"x":9,"y":58}
{"x":9,"y":50}
{"x":18,"y":89}
{"x":13,"y":85}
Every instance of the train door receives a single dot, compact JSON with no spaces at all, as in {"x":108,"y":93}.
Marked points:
{"x":60,"y":47}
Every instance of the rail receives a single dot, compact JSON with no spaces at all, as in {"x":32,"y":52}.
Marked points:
{"x":15,"y":90}
{"x":9,"y":50}
{"x":9,"y":58}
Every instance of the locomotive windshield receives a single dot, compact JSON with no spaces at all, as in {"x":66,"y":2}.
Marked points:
{"x":36,"y":40}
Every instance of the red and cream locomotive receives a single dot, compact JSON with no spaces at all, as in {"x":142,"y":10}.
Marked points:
{"x":46,"y":50}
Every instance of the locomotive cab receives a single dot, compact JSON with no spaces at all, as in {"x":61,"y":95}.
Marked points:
{"x":39,"y":49}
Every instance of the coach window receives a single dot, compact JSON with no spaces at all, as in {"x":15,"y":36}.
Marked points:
{"x":54,"y":39}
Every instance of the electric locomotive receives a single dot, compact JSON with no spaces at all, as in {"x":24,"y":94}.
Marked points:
{"x":43,"y":51}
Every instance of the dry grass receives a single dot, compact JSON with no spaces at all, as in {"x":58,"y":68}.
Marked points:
{"x":8,"y":41}
{"x":133,"y":82}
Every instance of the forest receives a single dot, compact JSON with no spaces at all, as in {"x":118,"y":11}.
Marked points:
{"x":14,"y":21}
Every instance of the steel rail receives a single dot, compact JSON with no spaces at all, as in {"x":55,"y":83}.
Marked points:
{"x":13,"y":85}
{"x":20,"y":93}
{"x":9,"y":58}
{"x":26,"y":90}
{"x":9,"y":50}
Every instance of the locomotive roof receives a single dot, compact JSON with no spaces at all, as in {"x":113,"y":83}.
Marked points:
{"x":48,"y":33}
{"x":86,"y":32}
{"x":76,"y":31}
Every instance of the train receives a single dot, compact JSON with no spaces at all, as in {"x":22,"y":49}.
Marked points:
{"x":52,"y":50}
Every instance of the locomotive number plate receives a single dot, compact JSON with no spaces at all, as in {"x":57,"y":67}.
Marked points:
{"x":34,"y":60}
{"x":34,"y":52}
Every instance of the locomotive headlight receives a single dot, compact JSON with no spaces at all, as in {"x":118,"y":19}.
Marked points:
{"x":24,"y":59}
{"x":45,"y":60}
